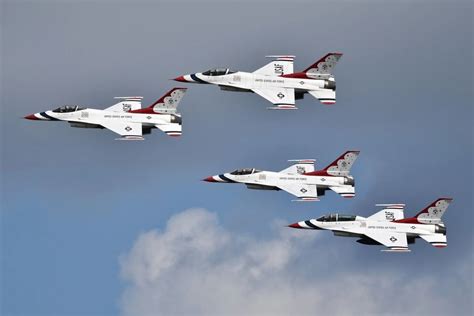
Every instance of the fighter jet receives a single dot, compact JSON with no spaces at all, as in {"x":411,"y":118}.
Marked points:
{"x":276,"y":81}
{"x":300,"y":179}
{"x":125,"y":118}
{"x":388,"y":227}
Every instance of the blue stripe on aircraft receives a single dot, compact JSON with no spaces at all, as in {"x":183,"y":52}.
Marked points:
{"x":48,"y":117}
{"x":195,"y":78}
{"x":225,"y":178}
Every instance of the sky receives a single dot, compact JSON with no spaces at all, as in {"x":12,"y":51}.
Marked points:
{"x":93,"y":226}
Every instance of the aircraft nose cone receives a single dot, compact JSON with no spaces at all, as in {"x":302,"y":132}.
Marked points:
{"x":209,"y":179}
{"x":31,"y":117}
{"x":295,"y":225}
{"x":180,"y":79}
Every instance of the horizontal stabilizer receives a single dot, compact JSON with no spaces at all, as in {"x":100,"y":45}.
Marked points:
{"x":325,"y":96}
{"x":172,"y":129}
{"x":346,"y":191}
{"x":436,"y":240}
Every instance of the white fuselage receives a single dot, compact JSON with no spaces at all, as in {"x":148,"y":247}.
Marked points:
{"x":362,"y":226}
{"x":102,"y":117}
{"x":269,"y":178}
{"x":248,"y":81}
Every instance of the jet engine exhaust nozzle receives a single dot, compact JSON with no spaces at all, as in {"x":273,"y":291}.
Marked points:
{"x":440,"y":229}
{"x":349,"y":181}
{"x":330,"y":84}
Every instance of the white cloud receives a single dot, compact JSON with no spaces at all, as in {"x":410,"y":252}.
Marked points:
{"x":196,"y":267}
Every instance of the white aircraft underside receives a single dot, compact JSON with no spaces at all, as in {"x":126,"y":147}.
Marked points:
{"x":387,"y":227}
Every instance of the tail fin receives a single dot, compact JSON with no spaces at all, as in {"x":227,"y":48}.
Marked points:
{"x":432,"y":213}
{"x":342,"y":165}
{"x":167,"y":104}
{"x":323,"y":67}
{"x":127,"y":104}
{"x":339,"y":167}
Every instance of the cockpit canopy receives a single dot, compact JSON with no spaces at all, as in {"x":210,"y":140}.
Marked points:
{"x":68,"y":108}
{"x":336,"y":218}
{"x":218,"y":72}
{"x":244,"y":171}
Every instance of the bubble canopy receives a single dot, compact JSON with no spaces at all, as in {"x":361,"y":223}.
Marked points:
{"x":245,"y":171}
{"x":68,"y":108}
{"x":336,"y":218}
{"x":218,"y":72}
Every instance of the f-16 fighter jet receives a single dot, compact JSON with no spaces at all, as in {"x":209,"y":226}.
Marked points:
{"x":125,"y":118}
{"x":276,"y":81}
{"x":388,"y":227}
{"x":300,"y":179}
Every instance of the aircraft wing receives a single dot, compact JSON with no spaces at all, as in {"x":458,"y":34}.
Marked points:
{"x":124,"y":128}
{"x":304,"y":192}
{"x":282,"y":98}
{"x":392,"y":240}
{"x":172,"y":129}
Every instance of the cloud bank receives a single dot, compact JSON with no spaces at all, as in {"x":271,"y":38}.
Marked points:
{"x":196,"y":267}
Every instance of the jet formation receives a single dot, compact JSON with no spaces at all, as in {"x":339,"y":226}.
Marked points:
{"x":126,"y":118}
{"x":276,"y":81}
{"x":300,"y":179}
{"x":387,"y":227}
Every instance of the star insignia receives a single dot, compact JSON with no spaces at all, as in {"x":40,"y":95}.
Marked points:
{"x":393,"y":239}
{"x":280,"y":95}
{"x":303,"y":190}
{"x":128,"y":128}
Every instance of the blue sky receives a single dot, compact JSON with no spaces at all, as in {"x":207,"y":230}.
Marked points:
{"x":82,"y":212}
